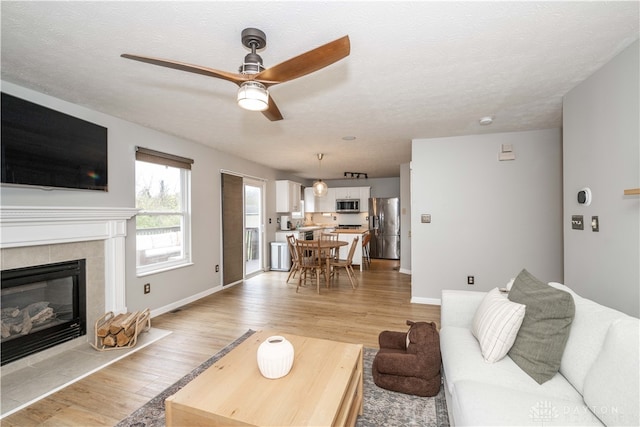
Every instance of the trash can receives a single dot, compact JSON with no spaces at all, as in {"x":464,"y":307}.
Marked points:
{"x":280,"y":256}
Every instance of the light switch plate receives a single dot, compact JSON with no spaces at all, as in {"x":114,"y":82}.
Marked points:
{"x":425,"y":218}
{"x":577,"y":222}
{"x":506,"y":156}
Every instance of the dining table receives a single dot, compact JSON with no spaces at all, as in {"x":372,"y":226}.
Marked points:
{"x":328,"y":244}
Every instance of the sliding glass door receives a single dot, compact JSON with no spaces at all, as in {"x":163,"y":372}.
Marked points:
{"x":253,"y":226}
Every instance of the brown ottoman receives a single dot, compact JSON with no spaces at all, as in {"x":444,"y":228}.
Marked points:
{"x":409,"y":362}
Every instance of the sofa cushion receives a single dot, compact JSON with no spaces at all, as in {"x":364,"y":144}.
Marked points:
{"x":588,"y":331}
{"x":545,"y":329}
{"x":462,"y":360}
{"x":480,"y":404}
{"x":612,"y":386}
{"x":458,"y":307}
{"x":496,"y":324}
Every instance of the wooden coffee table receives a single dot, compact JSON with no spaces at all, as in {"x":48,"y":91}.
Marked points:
{"x":323,"y":388}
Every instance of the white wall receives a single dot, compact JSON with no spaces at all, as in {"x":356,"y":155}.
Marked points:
{"x":489,"y":219}
{"x":173,"y":286}
{"x":602,"y":151}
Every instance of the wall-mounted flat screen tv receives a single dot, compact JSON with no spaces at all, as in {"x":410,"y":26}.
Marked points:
{"x":46,"y":148}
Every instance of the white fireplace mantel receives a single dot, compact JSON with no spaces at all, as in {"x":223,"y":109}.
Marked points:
{"x":35,"y":225}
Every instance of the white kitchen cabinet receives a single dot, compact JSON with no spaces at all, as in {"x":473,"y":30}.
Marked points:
{"x":326,"y":203}
{"x":288,"y":195}
{"x":347,"y":193}
{"x":309,"y":200}
{"x":365,"y":194}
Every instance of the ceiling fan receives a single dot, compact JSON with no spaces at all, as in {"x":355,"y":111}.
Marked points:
{"x":253,"y":78}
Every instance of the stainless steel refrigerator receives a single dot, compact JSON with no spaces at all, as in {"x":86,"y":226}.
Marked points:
{"x":384,"y":227}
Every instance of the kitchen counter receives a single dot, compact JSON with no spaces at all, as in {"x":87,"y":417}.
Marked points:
{"x":351,"y":231}
{"x":349,"y":235}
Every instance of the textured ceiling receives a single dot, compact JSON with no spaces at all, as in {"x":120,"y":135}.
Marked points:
{"x":416,"y":70}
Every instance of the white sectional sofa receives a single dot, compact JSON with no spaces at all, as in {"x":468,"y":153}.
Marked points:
{"x":598,"y":381}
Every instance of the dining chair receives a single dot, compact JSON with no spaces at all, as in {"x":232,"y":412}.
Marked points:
{"x":309,"y":260}
{"x":295,"y":264}
{"x":347,"y":264}
{"x":332,"y":253}
{"x":365,"y":249}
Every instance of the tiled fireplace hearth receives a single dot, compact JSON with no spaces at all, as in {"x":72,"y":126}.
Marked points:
{"x":42,"y":235}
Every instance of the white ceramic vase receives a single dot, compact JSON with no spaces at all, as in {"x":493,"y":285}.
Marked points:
{"x":275,"y":357}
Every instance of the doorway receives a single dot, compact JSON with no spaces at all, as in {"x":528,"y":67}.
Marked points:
{"x":253,"y":226}
{"x":242,"y":227}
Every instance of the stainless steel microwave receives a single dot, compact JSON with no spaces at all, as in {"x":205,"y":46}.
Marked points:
{"x":348,"y":205}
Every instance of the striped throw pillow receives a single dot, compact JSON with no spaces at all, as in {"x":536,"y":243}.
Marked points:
{"x":496,"y":325}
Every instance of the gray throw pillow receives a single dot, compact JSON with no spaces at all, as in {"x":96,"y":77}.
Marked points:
{"x":545,"y":328}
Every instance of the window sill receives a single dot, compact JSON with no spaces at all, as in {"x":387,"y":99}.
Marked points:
{"x":164,"y":269}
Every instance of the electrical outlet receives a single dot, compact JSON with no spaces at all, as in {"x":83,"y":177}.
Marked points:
{"x":217,"y":268}
{"x":147,"y":288}
{"x":471,"y":280}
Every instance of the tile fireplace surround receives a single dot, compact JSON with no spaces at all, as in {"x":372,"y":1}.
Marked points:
{"x":40,"y":235}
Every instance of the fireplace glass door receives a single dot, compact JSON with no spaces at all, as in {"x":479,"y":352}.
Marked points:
{"x":42,"y":306}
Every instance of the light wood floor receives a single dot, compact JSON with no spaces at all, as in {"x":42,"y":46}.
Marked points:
{"x":200,"y":329}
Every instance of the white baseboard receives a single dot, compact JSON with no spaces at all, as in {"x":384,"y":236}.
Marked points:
{"x":404,"y":271}
{"x":430,"y":301}
{"x":177,"y":304}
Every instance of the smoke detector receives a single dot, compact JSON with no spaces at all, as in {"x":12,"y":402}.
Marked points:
{"x":486,"y":121}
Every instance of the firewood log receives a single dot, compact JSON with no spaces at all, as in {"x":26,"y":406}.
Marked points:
{"x":130,"y":330}
{"x":11,"y":322}
{"x":116,"y":324}
{"x":42,"y":316}
{"x":36,"y":307}
{"x":102,"y":330}
{"x":6,"y":330}
{"x":10,"y":312}
{"x":122,"y":339}
{"x":109,"y":341}
{"x":27,"y":324}
{"x":129,"y":319}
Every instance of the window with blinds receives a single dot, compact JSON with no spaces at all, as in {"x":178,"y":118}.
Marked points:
{"x":163,"y":225}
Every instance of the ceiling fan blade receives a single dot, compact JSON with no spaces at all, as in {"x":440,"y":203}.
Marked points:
{"x":182,"y":66}
{"x":272,"y":113}
{"x":305,"y":63}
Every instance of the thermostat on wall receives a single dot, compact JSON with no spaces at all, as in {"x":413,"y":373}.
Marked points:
{"x":584,"y":196}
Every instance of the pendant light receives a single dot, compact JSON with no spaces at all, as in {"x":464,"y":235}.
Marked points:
{"x":320,"y":188}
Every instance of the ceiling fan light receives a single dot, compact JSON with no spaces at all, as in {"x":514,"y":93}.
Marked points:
{"x":253,"y":96}
{"x":320,"y":188}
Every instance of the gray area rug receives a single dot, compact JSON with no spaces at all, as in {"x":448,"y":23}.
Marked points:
{"x":381,"y":407}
